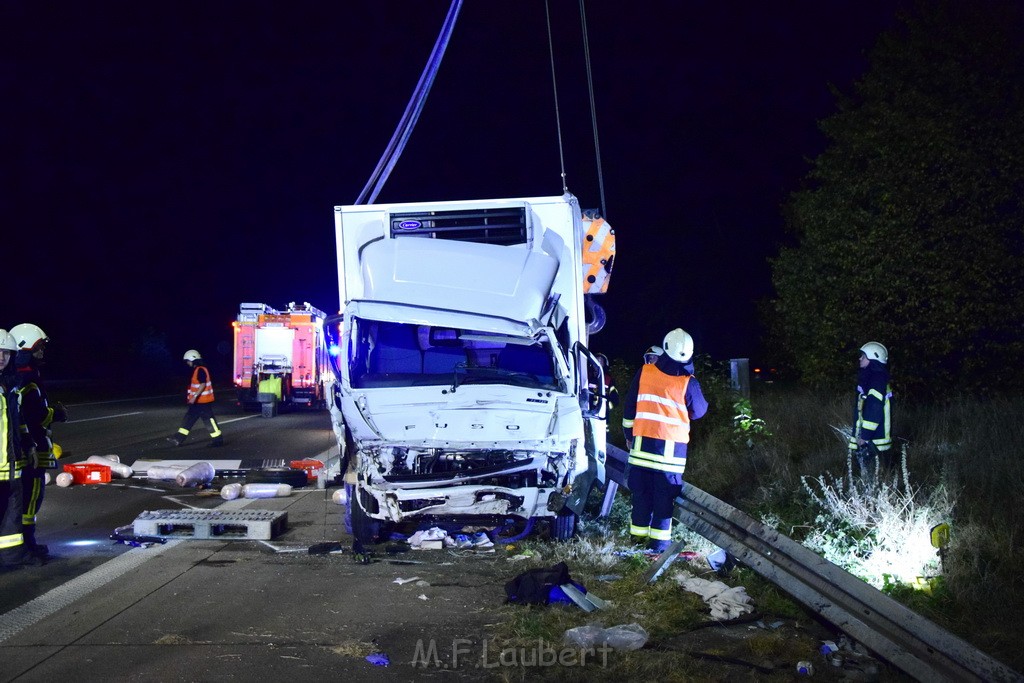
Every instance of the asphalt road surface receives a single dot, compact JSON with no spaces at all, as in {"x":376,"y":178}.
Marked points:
{"x":76,"y":522}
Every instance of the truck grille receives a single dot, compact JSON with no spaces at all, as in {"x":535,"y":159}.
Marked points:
{"x":505,"y":226}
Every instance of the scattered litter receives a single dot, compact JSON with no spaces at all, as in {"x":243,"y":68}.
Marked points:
{"x":828,"y":647}
{"x":520,"y":556}
{"x":422,"y":584}
{"x":406,"y":562}
{"x":609,"y":577}
{"x":326,"y":548}
{"x":805,"y":668}
{"x":421,"y":596}
{"x":434,"y":538}
{"x":378,"y":659}
{"x":402,"y":582}
{"x":623,"y":637}
{"x":584,"y":600}
{"x":720,"y":560}
{"x":725,"y":602}
{"x":65,"y":479}
{"x":773,"y":625}
{"x":123,"y":535}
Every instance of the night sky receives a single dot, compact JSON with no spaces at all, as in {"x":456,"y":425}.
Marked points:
{"x":164,"y":162}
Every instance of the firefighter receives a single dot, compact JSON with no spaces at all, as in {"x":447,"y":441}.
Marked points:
{"x":37,"y":415}
{"x":662,"y":400}
{"x":870,"y":436}
{"x":652,"y":354}
{"x":200,"y":402}
{"x":12,"y":540}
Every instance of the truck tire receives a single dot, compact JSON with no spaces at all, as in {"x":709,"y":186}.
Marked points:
{"x":366,"y":529}
{"x":563,"y":526}
{"x":277,"y":475}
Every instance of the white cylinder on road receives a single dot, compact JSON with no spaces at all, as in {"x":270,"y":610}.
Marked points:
{"x":116,"y":468}
{"x":199,"y":473}
{"x":164,"y":471}
{"x":65,"y":479}
{"x":266,"y":490}
{"x":231,"y":491}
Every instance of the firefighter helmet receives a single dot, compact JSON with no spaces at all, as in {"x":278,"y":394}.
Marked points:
{"x":678,"y":345}
{"x":192,"y":355}
{"x":7,"y":342}
{"x":875,"y":351}
{"x":651,"y":355}
{"x":28,"y":336}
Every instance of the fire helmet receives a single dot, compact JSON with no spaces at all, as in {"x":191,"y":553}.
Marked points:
{"x":678,"y":345}
{"x":28,"y":336}
{"x":7,"y":342}
{"x":875,"y":351}
{"x":651,"y":355}
{"x":192,"y":355}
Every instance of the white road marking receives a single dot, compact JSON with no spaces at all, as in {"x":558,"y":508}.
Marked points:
{"x":105,"y":417}
{"x":224,"y":422}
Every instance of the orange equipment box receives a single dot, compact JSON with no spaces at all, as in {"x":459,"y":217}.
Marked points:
{"x":89,"y":473}
{"x":312,"y":467}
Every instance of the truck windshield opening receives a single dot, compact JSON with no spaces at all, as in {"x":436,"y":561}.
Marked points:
{"x":389,"y":354}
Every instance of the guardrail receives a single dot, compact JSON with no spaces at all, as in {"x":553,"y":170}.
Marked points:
{"x":912,"y":643}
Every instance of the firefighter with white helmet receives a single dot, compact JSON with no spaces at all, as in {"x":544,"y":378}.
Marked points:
{"x":37,"y":416}
{"x":200,"y":402}
{"x":871,"y":433}
{"x":663,"y":399}
{"x":12,"y":540}
{"x":652,"y":353}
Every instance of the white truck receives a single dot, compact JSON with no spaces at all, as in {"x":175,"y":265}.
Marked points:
{"x":465,"y":386}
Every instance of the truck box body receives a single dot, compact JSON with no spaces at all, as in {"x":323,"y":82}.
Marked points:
{"x":462,"y":364}
{"x":283,"y":353}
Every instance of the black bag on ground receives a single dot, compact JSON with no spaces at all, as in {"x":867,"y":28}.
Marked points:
{"x":533,"y":587}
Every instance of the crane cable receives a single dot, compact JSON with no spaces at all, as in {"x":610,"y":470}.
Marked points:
{"x":593,"y":107}
{"x":554,"y":85}
{"x":412,"y":111}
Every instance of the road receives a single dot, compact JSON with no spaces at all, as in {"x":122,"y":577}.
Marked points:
{"x":76,"y":522}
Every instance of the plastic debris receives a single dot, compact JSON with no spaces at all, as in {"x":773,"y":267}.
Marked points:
{"x":421,"y":596}
{"x":378,"y":659}
{"x":622,"y":637}
{"x":401,"y":582}
{"x":65,"y":479}
{"x":609,"y":577}
{"x":805,"y":668}
{"x":725,"y":602}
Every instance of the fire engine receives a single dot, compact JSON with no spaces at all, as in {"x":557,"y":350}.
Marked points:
{"x":280,"y":357}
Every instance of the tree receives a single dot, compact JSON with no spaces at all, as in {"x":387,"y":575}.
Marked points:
{"x":909,"y":229}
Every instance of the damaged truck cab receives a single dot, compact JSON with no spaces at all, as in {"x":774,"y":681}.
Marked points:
{"x":462,"y":362}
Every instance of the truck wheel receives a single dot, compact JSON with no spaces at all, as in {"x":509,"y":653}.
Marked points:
{"x":277,"y":475}
{"x":365,"y":528}
{"x":563,"y":526}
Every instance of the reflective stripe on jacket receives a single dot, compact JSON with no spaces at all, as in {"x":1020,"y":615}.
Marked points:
{"x":661,"y":426}
{"x":10,"y":464}
{"x":200,"y":391}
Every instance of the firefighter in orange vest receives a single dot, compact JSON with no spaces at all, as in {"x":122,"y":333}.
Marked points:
{"x":200,"y":402}
{"x":662,"y":401}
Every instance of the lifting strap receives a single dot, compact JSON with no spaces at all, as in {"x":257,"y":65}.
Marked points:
{"x":412,"y":111}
